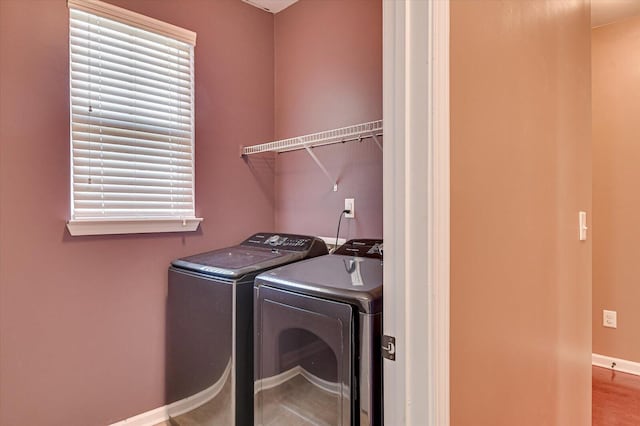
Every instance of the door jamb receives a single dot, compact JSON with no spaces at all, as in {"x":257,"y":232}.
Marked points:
{"x":416,"y":201}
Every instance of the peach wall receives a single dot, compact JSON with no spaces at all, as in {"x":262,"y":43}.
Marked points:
{"x":82,"y":318}
{"x":616,"y":176}
{"x":328,"y":74}
{"x":520,"y":172}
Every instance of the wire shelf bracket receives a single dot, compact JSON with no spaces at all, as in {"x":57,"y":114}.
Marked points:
{"x":358,"y":132}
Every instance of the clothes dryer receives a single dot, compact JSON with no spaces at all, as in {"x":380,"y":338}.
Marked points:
{"x":318,"y":326}
{"x":209,"y":341}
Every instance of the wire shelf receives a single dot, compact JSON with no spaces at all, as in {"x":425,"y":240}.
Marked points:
{"x":345,"y":134}
{"x":358,"y":132}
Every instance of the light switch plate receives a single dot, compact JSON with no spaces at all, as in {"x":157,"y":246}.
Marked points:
{"x":582,"y":225}
{"x":610,"y":319}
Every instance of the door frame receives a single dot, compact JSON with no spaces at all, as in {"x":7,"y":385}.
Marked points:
{"x":416,"y":201}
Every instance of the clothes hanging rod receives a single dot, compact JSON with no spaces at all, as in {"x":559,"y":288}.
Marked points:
{"x":372,"y":129}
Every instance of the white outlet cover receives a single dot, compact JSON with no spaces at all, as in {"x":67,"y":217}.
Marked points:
{"x":350,"y":204}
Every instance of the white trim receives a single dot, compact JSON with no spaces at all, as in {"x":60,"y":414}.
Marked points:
{"x":331,"y":242}
{"x":149,"y":418}
{"x":416,"y":210}
{"x":137,"y":20}
{"x":274,"y":381}
{"x":161,"y":414}
{"x":131,"y":226}
{"x":440,"y":208}
{"x":194,"y":401}
{"x":622,"y":365}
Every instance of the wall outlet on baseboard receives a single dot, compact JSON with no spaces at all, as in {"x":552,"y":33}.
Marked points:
{"x":610,"y":319}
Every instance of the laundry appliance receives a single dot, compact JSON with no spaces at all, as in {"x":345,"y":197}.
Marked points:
{"x":318,"y":326}
{"x":209,"y":333}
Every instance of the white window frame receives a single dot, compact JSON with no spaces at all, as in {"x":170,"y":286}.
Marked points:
{"x":142,"y":224}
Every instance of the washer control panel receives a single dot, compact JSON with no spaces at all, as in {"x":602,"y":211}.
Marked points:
{"x":279,"y":241}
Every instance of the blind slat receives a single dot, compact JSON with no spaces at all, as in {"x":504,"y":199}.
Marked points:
{"x":105,"y":154}
{"x":180,"y":114}
{"x":95,"y":90}
{"x":121,"y":204}
{"x":81,"y":179}
{"x":133,"y":189}
{"x":117,"y":75}
{"x":89,"y":50}
{"x":84,"y":90}
{"x":129,"y":196}
{"x":131,"y":163}
{"x":135,"y":120}
{"x":79,"y":35}
{"x":96,"y":122}
{"x":136,"y":138}
{"x":131,"y":121}
{"x":119,"y":21}
{"x":108,"y":61}
{"x":130,"y":174}
{"x":104,"y":83}
{"x":114,"y":144}
{"x":124,"y":214}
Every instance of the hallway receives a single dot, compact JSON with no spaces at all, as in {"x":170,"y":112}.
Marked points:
{"x":616,"y":398}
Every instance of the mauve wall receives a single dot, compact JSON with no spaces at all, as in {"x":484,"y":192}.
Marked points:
{"x":520,"y":172}
{"x":328,"y":74}
{"x":616,"y":175}
{"x":82,"y":318}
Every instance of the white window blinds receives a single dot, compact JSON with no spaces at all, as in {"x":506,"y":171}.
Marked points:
{"x":132,"y":120}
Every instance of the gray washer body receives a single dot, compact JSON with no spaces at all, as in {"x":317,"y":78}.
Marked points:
{"x":209,"y":333}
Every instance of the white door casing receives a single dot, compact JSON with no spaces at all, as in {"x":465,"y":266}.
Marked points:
{"x":416,"y":210}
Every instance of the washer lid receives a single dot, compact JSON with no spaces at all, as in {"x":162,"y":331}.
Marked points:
{"x":349,"y":279}
{"x":258,"y":252}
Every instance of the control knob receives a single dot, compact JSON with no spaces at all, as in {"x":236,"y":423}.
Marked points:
{"x":273,"y":240}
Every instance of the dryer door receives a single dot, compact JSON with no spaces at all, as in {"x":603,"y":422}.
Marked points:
{"x":304,"y":359}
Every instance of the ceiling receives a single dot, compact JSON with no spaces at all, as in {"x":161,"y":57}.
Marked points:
{"x":273,"y":6}
{"x":605,"y":12}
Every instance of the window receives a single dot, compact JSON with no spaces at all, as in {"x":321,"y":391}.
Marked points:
{"x":132,"y":122}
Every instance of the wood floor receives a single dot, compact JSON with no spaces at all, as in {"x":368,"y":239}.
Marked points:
{"x":616,"y":398}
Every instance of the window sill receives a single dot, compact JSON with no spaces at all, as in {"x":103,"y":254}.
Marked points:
{"x":131,"y":226}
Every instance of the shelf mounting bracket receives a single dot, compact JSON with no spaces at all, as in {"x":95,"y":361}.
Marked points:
{"x":377,"y":141}
{"x":315,"y":158}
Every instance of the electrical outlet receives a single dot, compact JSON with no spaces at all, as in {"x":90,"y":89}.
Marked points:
{"x":350,"y":204}
{"x":610,"y":319}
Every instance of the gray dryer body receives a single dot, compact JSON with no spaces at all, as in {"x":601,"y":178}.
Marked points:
{"x":318,"y":326}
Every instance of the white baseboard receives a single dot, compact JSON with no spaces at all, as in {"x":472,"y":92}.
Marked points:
{"x":148,"y":418}
{"x":621,"y":365}
{"x":161,"y":414}
{"x":272,"y":382}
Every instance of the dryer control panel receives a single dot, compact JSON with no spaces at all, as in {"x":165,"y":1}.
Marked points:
{"x":361,"y":248}
{"x":290,"y":242}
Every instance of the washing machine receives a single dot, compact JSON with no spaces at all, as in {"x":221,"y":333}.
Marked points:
{"x":318,"y":328}
{"x":209,"y":333}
